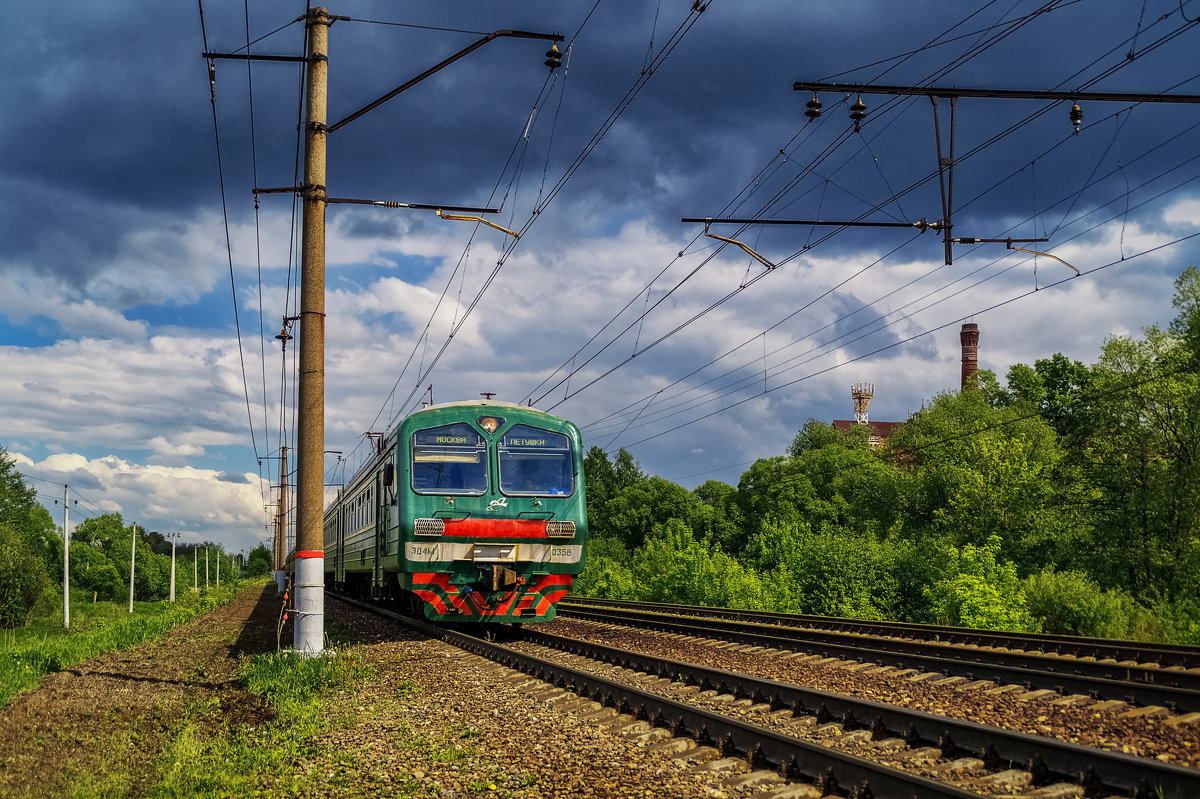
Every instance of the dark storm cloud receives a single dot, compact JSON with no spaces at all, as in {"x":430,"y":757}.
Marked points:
{"x":230,"y":477}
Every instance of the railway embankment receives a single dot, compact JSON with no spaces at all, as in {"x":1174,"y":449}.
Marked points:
{"x":174,"y":717}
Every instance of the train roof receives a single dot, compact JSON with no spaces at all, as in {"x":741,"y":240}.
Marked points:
{"x":479,"y":403}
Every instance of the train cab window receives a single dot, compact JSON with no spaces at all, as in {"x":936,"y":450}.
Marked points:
{"x":536,"y":462}
{"x":451,"y":459}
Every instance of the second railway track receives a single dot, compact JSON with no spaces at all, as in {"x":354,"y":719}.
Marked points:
{"x":1144,"y":685}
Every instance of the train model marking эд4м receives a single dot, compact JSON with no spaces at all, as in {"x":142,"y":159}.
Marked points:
{"x":468,"y":511}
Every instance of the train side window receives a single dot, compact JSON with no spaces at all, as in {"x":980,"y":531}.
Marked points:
{"x":451,"y":459}
{"x":536,"y":462}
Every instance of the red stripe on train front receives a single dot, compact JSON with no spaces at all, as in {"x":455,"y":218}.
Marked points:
{"x":495,"y":528}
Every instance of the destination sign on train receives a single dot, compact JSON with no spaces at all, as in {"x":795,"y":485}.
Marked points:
{"x":454,"y":435}
{"x":534,"y":439}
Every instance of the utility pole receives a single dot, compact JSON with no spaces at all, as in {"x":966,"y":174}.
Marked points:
{"x":66,"y":564}
{"x":173,"y":537}
{"x":309,"y":570}
{"x":281,"y":523}
{"x":310,"y":421}
{"x":132,"y":563}
{"x":206,"y":568}
{"x":218,"y":568}
{"x":196,"y":570}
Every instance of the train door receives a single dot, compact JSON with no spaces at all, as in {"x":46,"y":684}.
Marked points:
{"x":384,"y":480}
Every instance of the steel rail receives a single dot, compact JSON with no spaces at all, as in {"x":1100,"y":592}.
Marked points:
{"x":1132,"y":684}
{"x":1180,"y":655}
{"x":834,"y":771}
{"x":1048,"y":759}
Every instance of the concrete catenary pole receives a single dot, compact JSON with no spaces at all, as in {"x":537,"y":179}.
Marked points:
{"x":173,"y":537}
{"x":132,"y":563}
{"x":206,"y":568}
{"x":195,"y":570}
{"x":281,"y":524}
{"x":218,"y":568}
{"x":66,"y":564}
{"x":310,"y":424}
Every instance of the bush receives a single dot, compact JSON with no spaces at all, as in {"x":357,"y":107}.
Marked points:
{"x":979,"y":591}
{"x":1070,"y":603}
{"x":829,"y":572}
{"x":23,"y":579}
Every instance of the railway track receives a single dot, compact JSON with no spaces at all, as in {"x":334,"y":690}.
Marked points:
{"x":1179,"y":656}
{"x":841,"y":745}
{"x":1174,"y":688}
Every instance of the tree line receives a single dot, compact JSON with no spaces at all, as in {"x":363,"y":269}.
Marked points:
{"x":1061,"y":499}
{"x":31,"y":557}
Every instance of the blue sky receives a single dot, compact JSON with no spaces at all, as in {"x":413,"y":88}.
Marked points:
{"x":125,"y":374}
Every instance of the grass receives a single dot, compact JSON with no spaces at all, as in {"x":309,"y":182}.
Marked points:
{"x":45,"y":646}
{"x":239,"y":760}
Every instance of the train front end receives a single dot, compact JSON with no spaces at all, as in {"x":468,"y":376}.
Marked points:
{"x":492,"y":511}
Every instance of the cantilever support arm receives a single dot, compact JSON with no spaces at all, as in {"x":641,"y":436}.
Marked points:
{"x":748,"y":249}
{"x":1048,"y":255}
{"x":480,"y":219}
{"x":461,"y":53}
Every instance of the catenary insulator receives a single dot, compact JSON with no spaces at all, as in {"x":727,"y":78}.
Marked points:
{"x":1076,"y":116}
{"x":553,"y":57}
{"x":813,"y":108}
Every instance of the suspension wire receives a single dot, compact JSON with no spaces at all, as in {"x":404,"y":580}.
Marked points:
{"x":922,"y":334}
{"x":1165,"y":172}
{"x":229,"y":251}
{"x":971,"y":53}
{"x":883,"y":325}
{"x":684,"y":27}
{"x":975,"y":150}
{"x":262,"y":338}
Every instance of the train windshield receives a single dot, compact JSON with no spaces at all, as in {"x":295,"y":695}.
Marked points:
{"x":536,"y":462}
{"x":451,"y":459}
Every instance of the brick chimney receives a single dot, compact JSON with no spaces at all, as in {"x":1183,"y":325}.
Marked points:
{"x":969,"y":337}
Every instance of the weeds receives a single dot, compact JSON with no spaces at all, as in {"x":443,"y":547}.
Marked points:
{"x":240,"y":761}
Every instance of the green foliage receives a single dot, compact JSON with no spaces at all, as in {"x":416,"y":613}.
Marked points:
{"x":288,"y":680}
{"x":816,"y":435}
{"x":258,"y":562}
{"x":831,"y":572}
{"x":1071,"y":603}
{"x":974,"y":471}
{"x":673,"y":566}
{"x":1074,"y":483}
{"x":980,"y":590}
{"x":23,"y":579}
{"x":93,"y":574}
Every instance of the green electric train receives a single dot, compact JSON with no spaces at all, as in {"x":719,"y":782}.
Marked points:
{"x":468,"y":511}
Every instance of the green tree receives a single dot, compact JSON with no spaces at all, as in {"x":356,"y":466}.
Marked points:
{"x":23,"y":579}
{"x":832,"y":571}
{"x":815,"y":435}
{"x":258,"y":562}
{"x":974,"y":471}
{"x":93,"y":574}
{"x":673,"y":566}
{"x":19,"y":509}
{"x":980,"y":590}
{"x":633,"y":513}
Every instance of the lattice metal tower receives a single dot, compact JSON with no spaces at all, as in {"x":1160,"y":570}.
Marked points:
{"x":862,"y":393}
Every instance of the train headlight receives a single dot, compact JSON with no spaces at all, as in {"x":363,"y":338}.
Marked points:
{"x":560,"y":529}
{"x":429,"y":526}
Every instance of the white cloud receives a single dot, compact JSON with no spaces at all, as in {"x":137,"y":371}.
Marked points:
{"x":197,"y":503}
